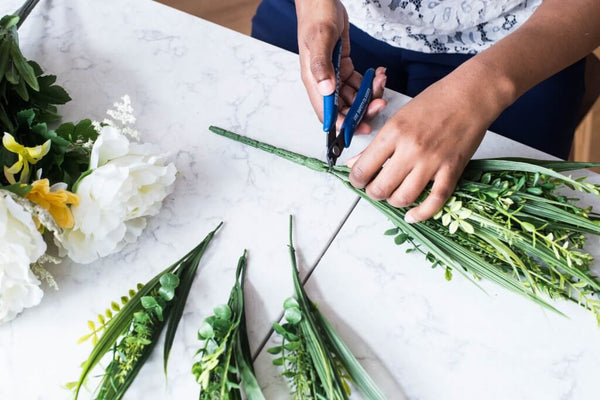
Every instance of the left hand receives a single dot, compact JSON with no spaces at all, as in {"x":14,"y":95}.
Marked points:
{"x":431,"y":138}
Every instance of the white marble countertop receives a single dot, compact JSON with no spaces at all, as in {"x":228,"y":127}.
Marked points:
{"x":421,"y":337}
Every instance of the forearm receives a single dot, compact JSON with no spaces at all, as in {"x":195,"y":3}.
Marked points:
{"x":557,"y":35}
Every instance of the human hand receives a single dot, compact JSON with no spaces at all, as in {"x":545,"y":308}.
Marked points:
{"x":320,"y":24}
{"x":431,"y":138}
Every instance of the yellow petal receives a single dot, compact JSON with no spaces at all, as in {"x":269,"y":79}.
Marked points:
{"x":10,"y":177}
{"x":11,"y":144}
{"x":38,"y":152}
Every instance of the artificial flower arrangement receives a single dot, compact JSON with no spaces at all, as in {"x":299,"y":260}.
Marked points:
{"x":508,"y":221}
{"x":81,"y":190}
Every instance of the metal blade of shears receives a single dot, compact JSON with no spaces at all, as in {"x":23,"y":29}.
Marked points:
{"x":353,"y":117}
{"x":331,"y":102}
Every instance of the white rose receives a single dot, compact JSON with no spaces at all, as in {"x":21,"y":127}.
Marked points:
{"x":20,"y":245}
{"x":128,"y":183}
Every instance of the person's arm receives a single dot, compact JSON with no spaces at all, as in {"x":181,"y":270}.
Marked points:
{"x":433,"y":136}
{"x":320,"y":24}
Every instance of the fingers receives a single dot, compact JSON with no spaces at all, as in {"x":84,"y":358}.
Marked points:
{"x":442,"y":189}
{"x":379,"y":82}
{"x":389,"y":178}
{"x":371,"y":160}
{"x":411,"y":187}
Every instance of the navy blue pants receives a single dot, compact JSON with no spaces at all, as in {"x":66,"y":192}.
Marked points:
{"x":544,"y":118}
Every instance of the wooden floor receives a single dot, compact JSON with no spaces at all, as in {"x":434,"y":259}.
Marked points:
{"x":237,"y":15}
{"x":234,"y":14}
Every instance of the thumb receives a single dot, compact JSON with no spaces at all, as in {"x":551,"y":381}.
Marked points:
{"x":321,"y":64}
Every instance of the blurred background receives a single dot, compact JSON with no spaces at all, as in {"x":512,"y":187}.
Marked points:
{"x":237,"y":15}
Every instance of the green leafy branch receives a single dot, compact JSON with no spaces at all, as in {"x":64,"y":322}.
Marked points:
{"x":129,"y":336}
{"x":225,"y":360}
{"x":315,"y":359}
{"x":23,"y":84}
{"x":507,"y":221}
{"x":103,"y":320}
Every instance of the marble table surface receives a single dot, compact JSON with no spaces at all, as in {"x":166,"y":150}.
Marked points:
{"x":420,"y":337}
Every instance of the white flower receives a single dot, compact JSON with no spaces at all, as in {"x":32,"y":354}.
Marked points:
{"x":20,"y":245}
{"x":128,"y":182}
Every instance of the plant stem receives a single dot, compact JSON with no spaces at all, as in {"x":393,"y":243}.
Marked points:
{"x":25,"y":10}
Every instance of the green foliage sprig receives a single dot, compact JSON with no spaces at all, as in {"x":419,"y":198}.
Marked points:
{"x":315,"y":360}
{"x":225,"y":360}
{"x":129,"y":336}
{"x":507,"y":222}
{"x":23,"y":84}
{"x":28,"y":100}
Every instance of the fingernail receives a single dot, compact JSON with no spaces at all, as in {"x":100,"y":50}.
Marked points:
{"x":350,"y":162}
{"x":326,"y":87}
{"x":410,"y":219}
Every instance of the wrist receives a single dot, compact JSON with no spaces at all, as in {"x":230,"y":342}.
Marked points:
{"x":489,"y":83}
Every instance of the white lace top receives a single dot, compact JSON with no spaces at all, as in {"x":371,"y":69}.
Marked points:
{"x":440,"y":26}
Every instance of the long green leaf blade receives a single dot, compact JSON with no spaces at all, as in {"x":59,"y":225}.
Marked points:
{"x":188,"y":272}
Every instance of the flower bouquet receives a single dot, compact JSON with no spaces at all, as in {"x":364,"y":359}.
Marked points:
{"x":79,"y":190}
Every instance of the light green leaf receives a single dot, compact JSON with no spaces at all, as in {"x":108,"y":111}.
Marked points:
{"x":206,"y":331}
{"x":223,"y":312}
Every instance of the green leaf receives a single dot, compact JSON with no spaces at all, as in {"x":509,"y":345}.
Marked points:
{"x":290,"y":302}
{"x":279,"y":361}
{"x":292,"y":315}
{"x":11,"y":74}
{"x":528,"y":227}
{"x":24,"y":69}
{"x":151,"y":304}
{"x":401,"y":238}
{"x":187,"y":271}
{"x":223,"y":312}
{"x":8,"y":21}
{"x":275,"y":350}
{"x":392,"y":232}
{"x":535,"y":190}
{"x":448,"y":274}
{"x":206,"y":331}
{"x":20,"y":189}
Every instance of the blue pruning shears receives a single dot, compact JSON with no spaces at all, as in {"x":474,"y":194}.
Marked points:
{"x":337,"y":143}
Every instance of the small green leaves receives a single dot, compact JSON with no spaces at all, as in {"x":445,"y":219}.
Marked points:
{"x":130,"y":332}
{"x":206,"y":331}
{"x":168,"y":284}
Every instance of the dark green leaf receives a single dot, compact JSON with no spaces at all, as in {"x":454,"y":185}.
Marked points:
{"x":274,"y":350}
{"x":187,"y":271}
{"x":401,"y":238}
{"x":25,"y":70}
{"x":392,"y":232}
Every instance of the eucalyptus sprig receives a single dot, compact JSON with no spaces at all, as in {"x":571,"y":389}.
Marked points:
{"x":507,"y":221}
{"x":225,"y":369}
{"x":129,"y":335}
{"x":315,"y":360}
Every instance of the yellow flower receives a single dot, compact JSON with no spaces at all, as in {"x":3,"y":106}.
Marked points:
{"x":57,"y":203}
{"x":27,"y":155}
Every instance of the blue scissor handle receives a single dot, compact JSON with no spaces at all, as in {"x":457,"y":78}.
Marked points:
{"x":330,"y":103}
{"x":359,"y":106}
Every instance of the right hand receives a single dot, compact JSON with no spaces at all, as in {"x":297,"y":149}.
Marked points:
{"x":320,"y":24}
